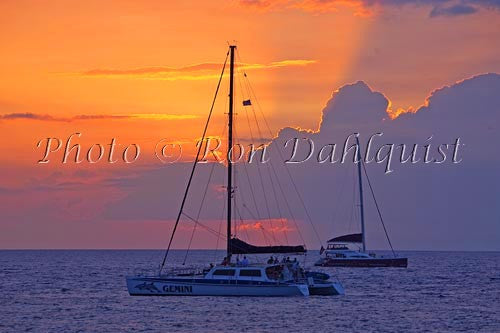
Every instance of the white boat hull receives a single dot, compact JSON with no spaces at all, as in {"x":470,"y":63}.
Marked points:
{"x":159,"y":286}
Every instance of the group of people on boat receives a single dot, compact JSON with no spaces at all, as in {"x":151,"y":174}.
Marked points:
{"x":284,"y":269}
{"x":275,"y":260}
{"x":244,"y":262}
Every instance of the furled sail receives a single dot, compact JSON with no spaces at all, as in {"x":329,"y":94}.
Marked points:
{"x":240,"y":247}
{"x":351,"y":238}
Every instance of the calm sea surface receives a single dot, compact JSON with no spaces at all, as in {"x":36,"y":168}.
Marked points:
{"x":85,"y":291}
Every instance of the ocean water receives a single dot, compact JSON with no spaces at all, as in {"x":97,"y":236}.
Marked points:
{"x":85,"y":291}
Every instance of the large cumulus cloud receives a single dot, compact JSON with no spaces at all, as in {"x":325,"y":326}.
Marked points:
{"x":426,"y":206}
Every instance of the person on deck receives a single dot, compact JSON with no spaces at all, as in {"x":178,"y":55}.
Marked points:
{"x":270,"y":260}
{"x":295,"y":265}
{"x":245,"y":261}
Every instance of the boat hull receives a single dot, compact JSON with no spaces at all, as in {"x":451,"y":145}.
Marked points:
{"x":319,"y":284}
{"x":371,"y":262}
{"x":326,"y":289}
{"x":149,"y":286}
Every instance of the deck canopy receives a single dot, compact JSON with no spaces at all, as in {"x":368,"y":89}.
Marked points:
{"x":240,"y":247}
{"x":351,"y":238}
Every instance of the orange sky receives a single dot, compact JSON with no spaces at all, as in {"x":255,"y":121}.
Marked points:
{"x":139,"y":71}
{"x":49,"y":51}
{"x":47,"y":46}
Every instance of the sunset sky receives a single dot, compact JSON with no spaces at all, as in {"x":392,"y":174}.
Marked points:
{"x":140,"y":71}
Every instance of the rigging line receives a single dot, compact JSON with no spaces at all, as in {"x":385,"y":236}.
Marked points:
{"x":281,"y":155}
{"x":240,"y":193}
{"x":277,"y":200}
{"x":288,"y":171}
{"x":237,"y":225}
{"x":378,"y":209}
{"x":194,"y":165}
{"x":254,"y":200}
{"x":199,"y":211}
{"x":258,"y":171}
{"x":235,"y":172}
{"x":266,"y":201}
{"x":279,"y":209}
{"x":243,"y":200}
{"x":269,"y":174}
{"x":202,"y":202}
{"x":220,"y":223}
{"x":241,"y":222}
{"x":224,"y":202}
{"x":288,"y":205}
{"x":263,"y":233}
{"x":272,"y":166}
{"x":354,"y":211}
{"x":244,"y":164}
{"x":213,"y":231}
{"x":336,"y":207}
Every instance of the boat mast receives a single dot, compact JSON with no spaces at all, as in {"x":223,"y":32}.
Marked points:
{"x":229,"y":146}
{"x":361,"y":208}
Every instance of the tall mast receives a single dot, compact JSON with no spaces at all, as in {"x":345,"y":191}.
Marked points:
{"x":229,"y":146}
{"x":361,"y":208}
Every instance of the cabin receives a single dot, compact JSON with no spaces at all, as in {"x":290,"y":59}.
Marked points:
{"x":261,"y":273}
{"x":336,"y":246}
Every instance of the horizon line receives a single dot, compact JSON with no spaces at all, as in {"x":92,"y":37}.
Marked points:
{"x":157,"y":249}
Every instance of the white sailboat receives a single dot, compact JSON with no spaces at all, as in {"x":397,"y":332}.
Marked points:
{"x":339,"y":254}
{"x":229,"y":278}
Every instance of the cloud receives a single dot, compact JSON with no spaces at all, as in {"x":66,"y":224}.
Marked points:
{"x":45,"y":117}
{"x":96,"y":116}
{"x":29,"y":115}
{"x":312,"y":6}
{"x":278,"y":64}
{"x":271,"y":225}
{"x":425,"y":206}
{"x":433,"y":199}
{"x":322,"y":6}
{"x":445,"y":8}
{"x":192,"y":72}
{"x":264,"y":4}
{"x":354,"y":103}
{"x":455,"y":10}
{"x":162,"y":116}
{"x":154,"y":70}
{"x":459,"y":98}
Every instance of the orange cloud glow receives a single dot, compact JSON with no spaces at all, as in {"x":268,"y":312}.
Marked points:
{"x":202,"y":71}
{"x":313,"y":6}
{"x":271,"y":225}
{"x":46,"y":117}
